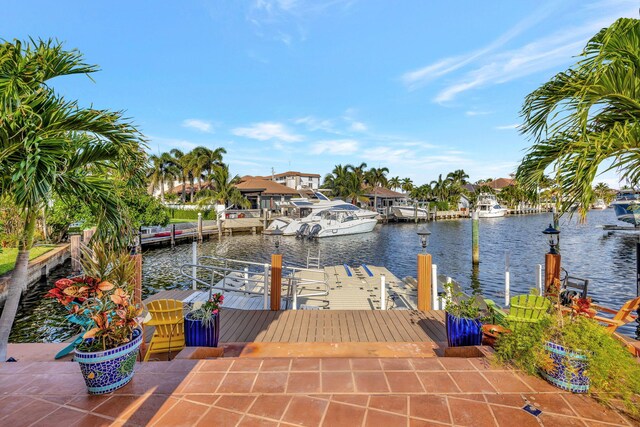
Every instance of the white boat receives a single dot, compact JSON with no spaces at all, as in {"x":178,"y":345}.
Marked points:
{"x":599,"y":204}
{"x":408,"y":211}
{"x":310,"y":211}
{"x":627,"y":207}
{"x":337,"y":223}
{"x":488,"y":207}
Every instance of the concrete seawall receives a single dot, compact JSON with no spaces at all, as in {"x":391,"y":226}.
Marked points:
{"x":39,"y":267}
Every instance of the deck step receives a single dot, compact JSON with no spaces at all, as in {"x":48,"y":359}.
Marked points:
{"x":340,"y":349}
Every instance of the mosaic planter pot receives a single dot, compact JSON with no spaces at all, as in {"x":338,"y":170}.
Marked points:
{"x":109,"y":370}
{"x":463,"y":332}
{"x":568,"y":372}
{"x":198,"y":335}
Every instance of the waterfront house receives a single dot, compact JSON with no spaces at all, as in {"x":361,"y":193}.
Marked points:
{"x":265,"y":193}
{"x":298,"y":180}
{"x":383,"y":198}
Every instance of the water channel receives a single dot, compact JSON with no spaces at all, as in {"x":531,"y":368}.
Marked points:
{"x":608,"y":261}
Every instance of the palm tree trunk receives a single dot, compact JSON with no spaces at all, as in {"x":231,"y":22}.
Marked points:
{"x":183,"y":196}
{"x":162,"y":188}
{"x":18,"y":282}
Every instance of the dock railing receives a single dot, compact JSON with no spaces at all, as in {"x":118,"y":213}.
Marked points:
{"x":223,"y":274}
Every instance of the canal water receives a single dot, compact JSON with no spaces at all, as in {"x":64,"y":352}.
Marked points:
{"x":608,"y":261}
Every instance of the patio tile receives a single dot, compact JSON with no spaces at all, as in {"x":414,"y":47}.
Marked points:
{"x":305,"y":411}
{"x":587,"y":408}
{"x":236,"y":403}
{"x":29,"y":415}
{"x":217,"y":365}
{"x":219,"y":418}
{"x":370,"y":382}
{"x":429,"y":407}
{"x":506,"y":382}
{"x":305,"y":364}
{"x":472,"y":382}
{"x":437,"y":382}
{"x":354,"y":399}
{"x":467,"y":413}
{"x":514,"y":400}
{"x":60,"y":417}
{"x":273,"y":365}
{"x":91,"y":420}
{"x":249,"y":421}
{"x":484,"y":364}
{"x":456,"y":364}
{"x":414,"y":422}
{"x":246,"y":365}
{"x":538,"y":384}
{"x":270,"y":406}
{"x":508,"y":417}
{"x":204,"y":399}
{"x":87,"y":401}
{"x":551,"y":403}
{"x":561,"y":421}
{"x":396,"y":365}
{"x":183,"y":413}
{"x":151,"y":410}
{"x":341,"y":414}
{"x":365,"y":365}
{"x":404,"y":382}
{"x":337,"y":382}
{"x":390,"y":403}
{"x":203,"y":382}
{"x":237,"y":383}
{"x":427,"y":364}
{"x":13,"y":403}
{"x":335,"y":364}
{"x":118,"y":405}
{"x":271,"y":382}
{"x":384,"y":419}
{"x":304,"y":382}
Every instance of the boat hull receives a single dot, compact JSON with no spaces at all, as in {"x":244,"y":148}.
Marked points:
{"x":628,"y":212}
{"x":492,"y":214}
{"x":342,"y":229}
{"x":409,"y":212}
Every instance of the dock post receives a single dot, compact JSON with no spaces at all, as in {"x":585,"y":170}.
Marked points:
{"x":276,"y":281}
{"x":173,"y":235}
{"x":87,"y":235}
{"x":246,"y":277}
{"x":194,"y":261}
{"x":507,"y":279}
{"x":424,"y":281}
{"x":475,"y":238}
{"x":539,"y":278}
{"x":75,"y":252}
{"x":551,"y":271}
{"x":200,"y":226}
{"x":294,"y":293}
{"x":265,"y":283}
{"x":383,"y":292}
{"x":415,"y":213}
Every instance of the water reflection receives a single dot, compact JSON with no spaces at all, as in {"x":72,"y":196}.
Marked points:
{"x":607,"y":261}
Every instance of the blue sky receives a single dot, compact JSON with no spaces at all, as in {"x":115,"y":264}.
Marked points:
{"x":422,"y":87}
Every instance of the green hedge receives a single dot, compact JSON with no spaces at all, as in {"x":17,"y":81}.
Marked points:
{"x":208,"y":214}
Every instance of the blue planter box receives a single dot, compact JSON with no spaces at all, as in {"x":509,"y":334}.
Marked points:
{"x":196,"y":335}
{"x":463,"y":332}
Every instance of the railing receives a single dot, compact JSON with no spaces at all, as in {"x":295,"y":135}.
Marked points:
{"x":242,"y":213}
{"x":210,"y":272}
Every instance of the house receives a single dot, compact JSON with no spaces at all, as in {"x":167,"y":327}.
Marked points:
{"x":385,"y":198}
{"x":264,"y":193}
{"x":500,"y":183}
{"x":298,"y":180}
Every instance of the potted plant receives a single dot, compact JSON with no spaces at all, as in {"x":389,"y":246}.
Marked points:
{"x":463,"y":319}
{"x":574,"y":352}
{"x":100,"y":301}
{"x":202,"y":323}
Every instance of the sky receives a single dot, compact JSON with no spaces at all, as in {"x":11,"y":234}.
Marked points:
{"x":421,"y":87}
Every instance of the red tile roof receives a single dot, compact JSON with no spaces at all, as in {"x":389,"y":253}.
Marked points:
{"x":264,"y":186}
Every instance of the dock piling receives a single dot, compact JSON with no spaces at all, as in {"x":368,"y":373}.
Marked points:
{"x":200,"y":226}
{"x":424,"y":281}
{"x":539,"y":280}
{"x":265,"y":304}
{"x":276,"y":281}
{"x":507,"y":279}
{"x":551,"y":271}
{"x":383,"y":293}
{"x":173,"y":235}
{"x":75,"y":252}
{"x":475,"y":238}
{"x":194,"y":261}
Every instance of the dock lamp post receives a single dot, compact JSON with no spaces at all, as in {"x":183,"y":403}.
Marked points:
{"x":424,"y":272}
{"x":276,"y":271}
{"x":551,"y":260}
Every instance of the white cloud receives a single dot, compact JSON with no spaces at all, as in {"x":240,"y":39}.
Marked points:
{"x":158,"y":144}
{"x":336,"y":147}
{"x":197,"y":124}
{"x":473,"y":113}
{"x":265,"y":131}
{"x":314,"y":124}
{"x":358,"y":127}
{"x":508,"y":127}
{"x":488,"y":66}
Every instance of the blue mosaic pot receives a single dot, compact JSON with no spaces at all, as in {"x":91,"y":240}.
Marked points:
{"x":106,"y":371}
{"x":569,"y":367}
{"x":197,"y":335}
{"x":463,"y":332}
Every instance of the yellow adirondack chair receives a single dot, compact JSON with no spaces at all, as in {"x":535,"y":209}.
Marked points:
{"x":527,"y":309}
{"x":167,"y":317}
{"x":621,"y":317}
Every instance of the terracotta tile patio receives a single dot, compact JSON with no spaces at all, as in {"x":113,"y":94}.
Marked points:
{"x":302,"y":392}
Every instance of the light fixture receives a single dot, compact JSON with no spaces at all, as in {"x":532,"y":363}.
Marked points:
{"x":554,"y":238}
{"x":424,"y":238}
{"x":277,"y":237}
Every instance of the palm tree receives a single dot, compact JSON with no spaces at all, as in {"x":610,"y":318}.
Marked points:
{"x":587,"y":115}
{"x":207,"y":160}
{"x":162,"y":171}
{"x":225,"y":190}
{"x":602,"y":191}
{"x":53,"y":147}
{"x":181,"y":161}
{"x":406,"y":185}
{"x":440,"y":188}
{"x":458,"y":176}
{"x":394,"y":183}
{"x":336,"y":180}
{"x":376,"y":177}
